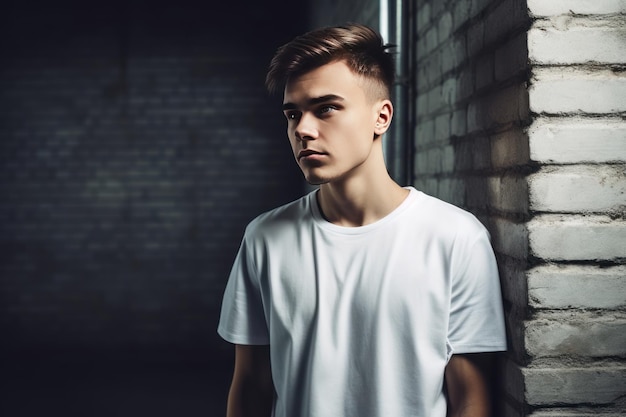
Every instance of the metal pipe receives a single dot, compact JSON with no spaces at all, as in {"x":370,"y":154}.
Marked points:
{"x":393,"y":30}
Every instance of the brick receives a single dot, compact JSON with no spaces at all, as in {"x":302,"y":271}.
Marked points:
{"x":558,"y":91}
{"x":475,"y":39}
{"x":432,"y":41}
{"x":446,"y":58}
{"x":421,"y":49}
{"x":447,"y":159}
{"x":480,"y":154}
{"x":458,"y":123}
{"x":484,"y":72}
{"x":505,"y":18}
{"x":509,"y":149}
{"x":581,"y":7}
{"x":463,"y":153}
{"x":465,"y":83}
{"x":511,"y":59}
{"x":514,"y":381}
{"x":550,"y":46}
{"x":510,"y":238}
{"x":433,"y":69}
{"x":577,"y":334}
{"x":472,"y":154}
{"x":452,"y":54}
{"x":423,"y":18}
{"x":576,"y":140}
{"x":438,"y":8}
{"x":503,"y":107}
{"x":421,"y":107}
{"x":505,"y":408}
{"x":449,"y":92}
{"x":573,"y":189}
{"x":442,"y":127}
{"x":460,"y":13}
{"x":577,"y":238}
{"x":513,"y":283}
{"x":425,"y":133}
{"x":477,"y":6}
{"x":577,"y":286}
{"x":434,"y":157}
{"x":435,"y":99}
{"x":428,"y":161}
{"x":475,"y":116}
{"x":451,"y":190}
{"x":444,"y":27}
{"x":421,"y":164}
{"x":459,"y":49}
{"x":421,"y":78}
{"x":510,"y":194}
{"x":427,"y":185}
{"x":582,"y":385}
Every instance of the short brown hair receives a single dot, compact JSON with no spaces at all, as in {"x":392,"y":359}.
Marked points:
{"x":361,"y":47}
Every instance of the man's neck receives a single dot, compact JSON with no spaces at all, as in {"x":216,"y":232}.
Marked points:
{"x":360,"y":201}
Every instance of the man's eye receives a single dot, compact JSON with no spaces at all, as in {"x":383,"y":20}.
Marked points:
{"x":291,"y":116}
{"x":326,"y":109}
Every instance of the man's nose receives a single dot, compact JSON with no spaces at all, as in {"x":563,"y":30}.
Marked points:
{"x":306,"y":129}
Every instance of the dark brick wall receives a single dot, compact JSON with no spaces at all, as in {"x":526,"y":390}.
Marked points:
{"x":136,"y":141}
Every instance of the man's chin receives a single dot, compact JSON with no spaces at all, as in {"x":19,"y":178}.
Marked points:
{"x":315,"y":180}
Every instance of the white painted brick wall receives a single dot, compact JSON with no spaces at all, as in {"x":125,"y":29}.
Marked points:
{"x":568,"y":90}
{"x":577,"y":286}
{"x":559,"y":237}
{"x":602,"y":384}
{"x":578,"y":140}
{"x":579,"y":334}
{"x":579,"y":188}
{"x":577,"y":45}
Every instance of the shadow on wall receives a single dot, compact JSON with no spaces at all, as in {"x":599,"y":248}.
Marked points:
{"x":137,"y":142}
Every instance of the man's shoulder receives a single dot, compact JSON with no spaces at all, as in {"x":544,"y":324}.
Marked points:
{"x":442,"y":215}
{"x":281,"y":216}
{"x":445,"y":210}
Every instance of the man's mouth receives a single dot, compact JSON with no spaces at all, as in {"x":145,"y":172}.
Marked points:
{"x":308,"y":152}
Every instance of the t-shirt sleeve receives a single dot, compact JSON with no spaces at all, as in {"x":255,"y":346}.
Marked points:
{"x":476,"y":314}
{"x":242,"y":318}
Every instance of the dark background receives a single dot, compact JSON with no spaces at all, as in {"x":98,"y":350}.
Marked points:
{"x":136,"y":142}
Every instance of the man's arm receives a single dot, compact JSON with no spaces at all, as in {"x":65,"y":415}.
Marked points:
{"x":252,"y":391}
{"x":468,"y":385}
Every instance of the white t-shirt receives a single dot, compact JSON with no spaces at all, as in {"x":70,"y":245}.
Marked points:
{"x":361,"y":321}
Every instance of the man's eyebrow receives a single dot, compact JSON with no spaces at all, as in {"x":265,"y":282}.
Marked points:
{"x":315,"y":100}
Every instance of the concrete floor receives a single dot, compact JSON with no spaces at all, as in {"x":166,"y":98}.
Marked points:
{"x":110,"y":388}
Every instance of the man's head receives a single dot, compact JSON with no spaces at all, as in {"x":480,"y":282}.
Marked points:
{"x":336,"y":101}
{"x":360,"y":47}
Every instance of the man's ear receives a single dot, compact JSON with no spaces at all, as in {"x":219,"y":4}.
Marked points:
{"x":383,"y":116}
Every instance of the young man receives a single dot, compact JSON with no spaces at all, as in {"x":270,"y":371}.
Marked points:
{"x":362,"y":298}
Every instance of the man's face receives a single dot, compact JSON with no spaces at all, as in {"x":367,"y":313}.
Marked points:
{"x":330,"y":122}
